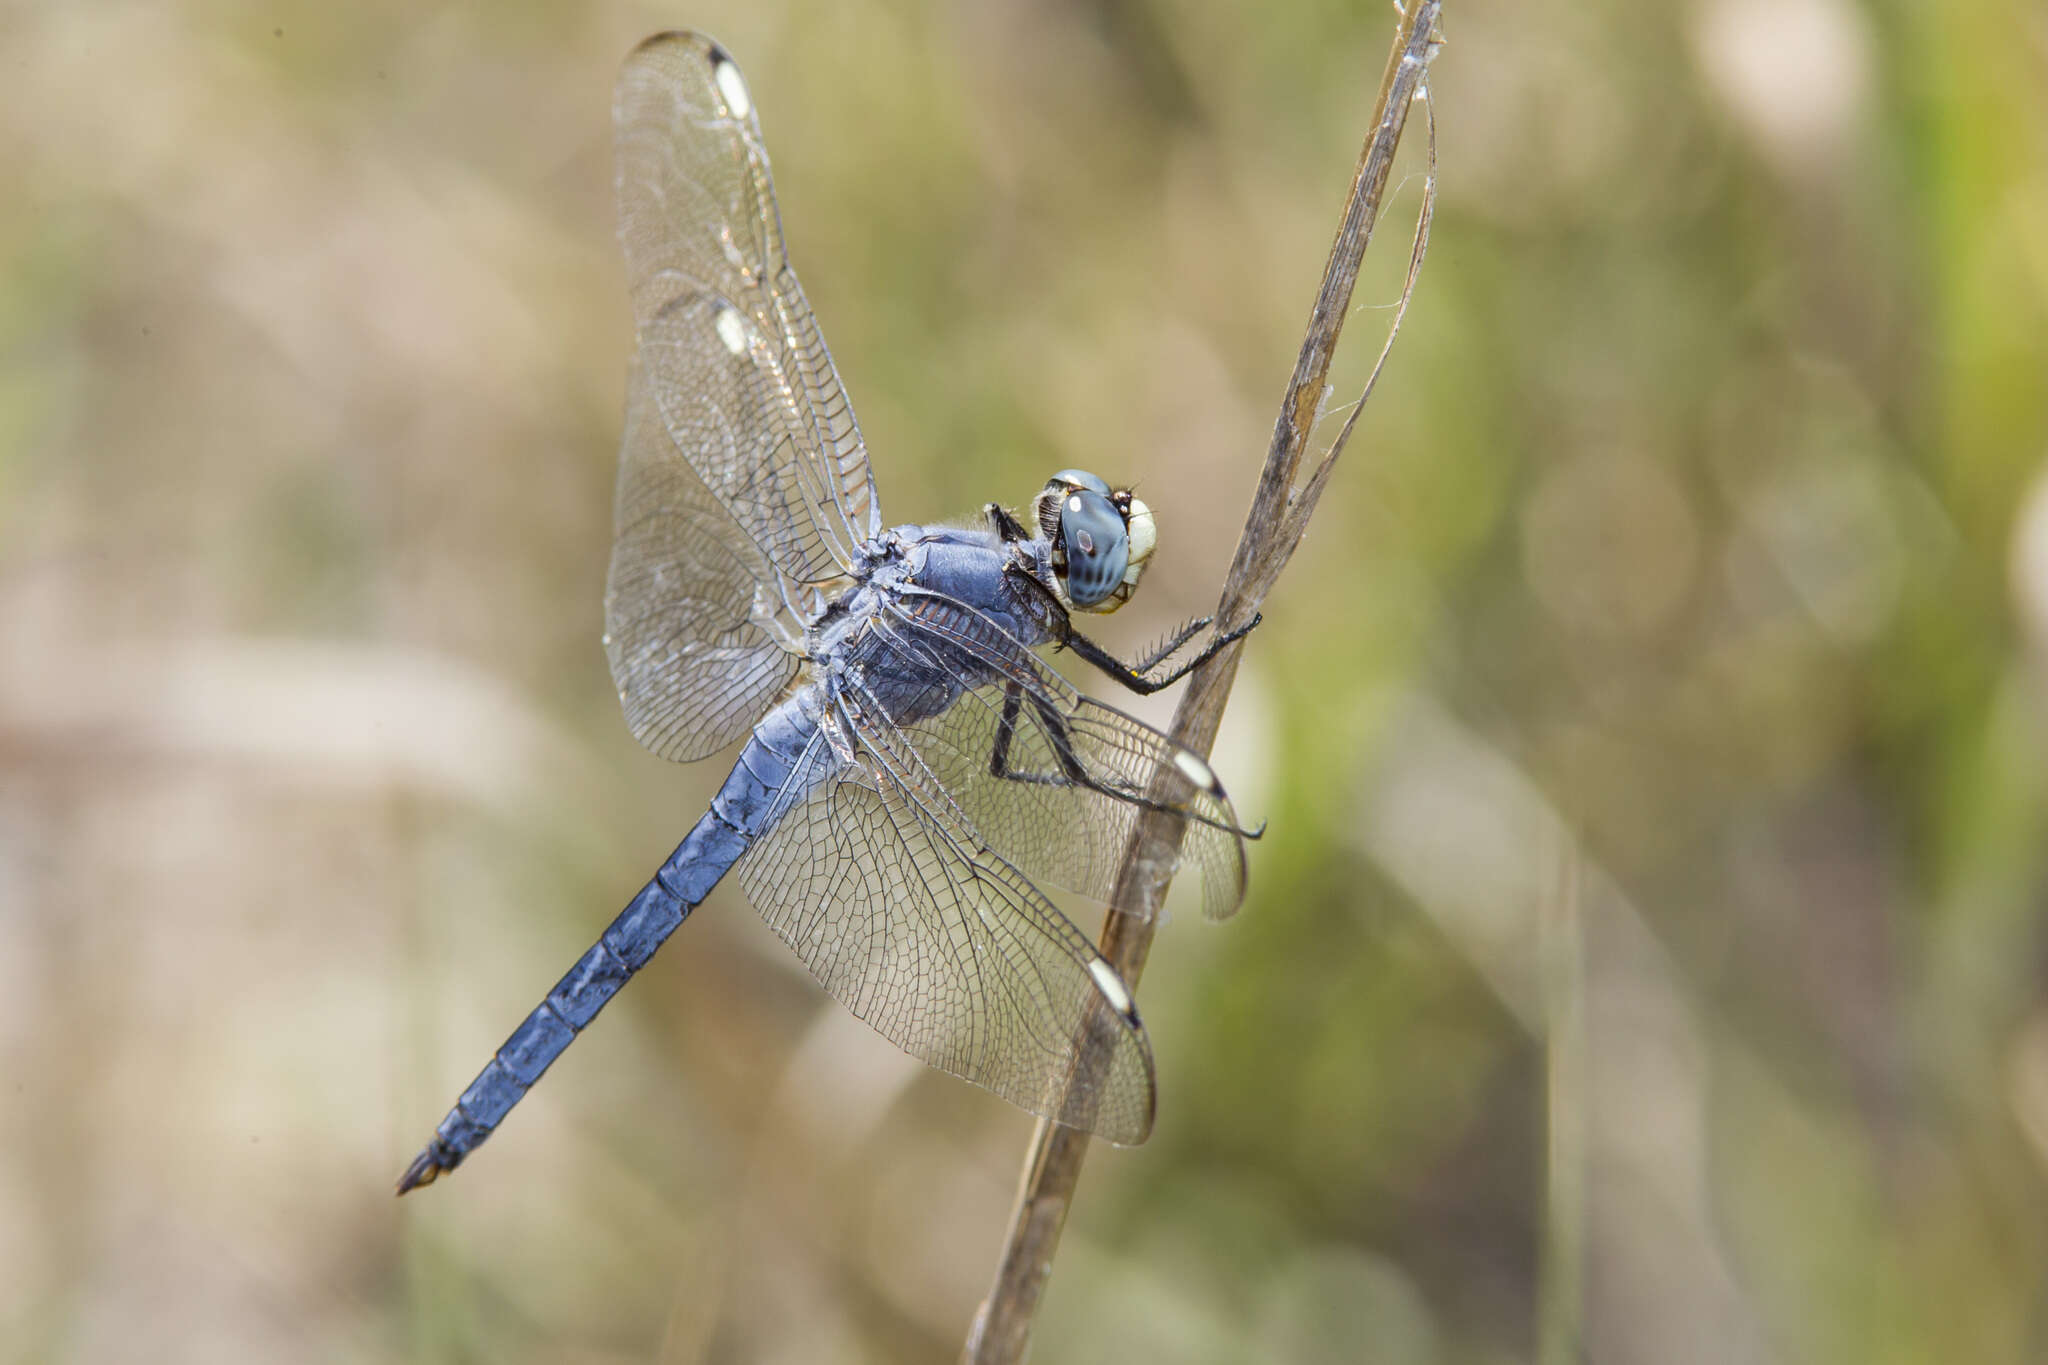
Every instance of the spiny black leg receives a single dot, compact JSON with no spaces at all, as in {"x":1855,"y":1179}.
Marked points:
{"x":1062,"y":743}
{"x":1171,"y":645}
{"x":1006,"y":729}
{"x":1111,"y":665}
{"x":1006,"y":526}
{"x":1055,"y":729}
{"x":1134,"y":678}
{"x":1060,"y":736}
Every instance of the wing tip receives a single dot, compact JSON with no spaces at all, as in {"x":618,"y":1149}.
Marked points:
{"x":700,"y":45}
{"x":680,"y":37}
{"x":1113,"y":1122}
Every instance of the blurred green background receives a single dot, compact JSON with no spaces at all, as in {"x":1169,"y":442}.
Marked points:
{"x":1646,"y":959}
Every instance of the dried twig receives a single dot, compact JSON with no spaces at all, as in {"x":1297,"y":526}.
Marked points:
{"x":1279,"y":515}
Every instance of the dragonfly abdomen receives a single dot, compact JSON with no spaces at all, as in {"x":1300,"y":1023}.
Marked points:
{"x":738,"y":815}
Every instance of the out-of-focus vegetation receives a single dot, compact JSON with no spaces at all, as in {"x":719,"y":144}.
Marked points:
{"x":1648,"y":945}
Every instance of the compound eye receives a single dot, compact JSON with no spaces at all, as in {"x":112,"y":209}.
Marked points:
{"x":1078,"y":478}
{"x":1097,"y":543}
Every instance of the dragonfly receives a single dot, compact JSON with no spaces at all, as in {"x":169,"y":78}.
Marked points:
{"x":912,"y":770}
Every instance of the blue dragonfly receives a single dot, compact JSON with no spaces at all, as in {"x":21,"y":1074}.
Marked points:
{"x":911,"y":768}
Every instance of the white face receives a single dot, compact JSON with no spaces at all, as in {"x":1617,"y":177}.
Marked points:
{"x":1144,"y":538}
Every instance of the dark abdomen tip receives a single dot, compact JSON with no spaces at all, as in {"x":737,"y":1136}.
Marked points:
{"x":425,"y":1168}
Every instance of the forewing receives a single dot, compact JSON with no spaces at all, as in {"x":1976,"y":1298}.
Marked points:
{"x":944,"y":948}
{"x":1055,"y":780}
{"x":732,"y":355}
{"x":684,"y":602}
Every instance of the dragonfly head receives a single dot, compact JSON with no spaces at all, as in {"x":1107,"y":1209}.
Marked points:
{"x":1101,"y":539}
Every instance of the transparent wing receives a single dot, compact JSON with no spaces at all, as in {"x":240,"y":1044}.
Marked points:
{"x":1054,"y":779}
{"x":731,"y":354}
{"x":684,"y":603}
{"x":917,"y":927}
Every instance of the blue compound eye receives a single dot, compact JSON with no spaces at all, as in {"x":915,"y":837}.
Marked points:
{"x":1079,"y":478}
{"x":1097,"y":543}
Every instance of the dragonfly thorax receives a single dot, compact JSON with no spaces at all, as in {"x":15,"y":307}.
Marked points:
{"x":1101,"y":539}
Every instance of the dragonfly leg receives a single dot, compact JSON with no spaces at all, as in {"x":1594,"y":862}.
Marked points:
{"x":1139,"y":677}
{"x":1169,"y":646}
{"x":1059,"y":736}
{"x":1006,"y":526}
{"x":1054,"y":727}
{"x":1006,"y":730}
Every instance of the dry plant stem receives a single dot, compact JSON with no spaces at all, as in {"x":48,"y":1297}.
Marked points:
{"x":1279,"y":515}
